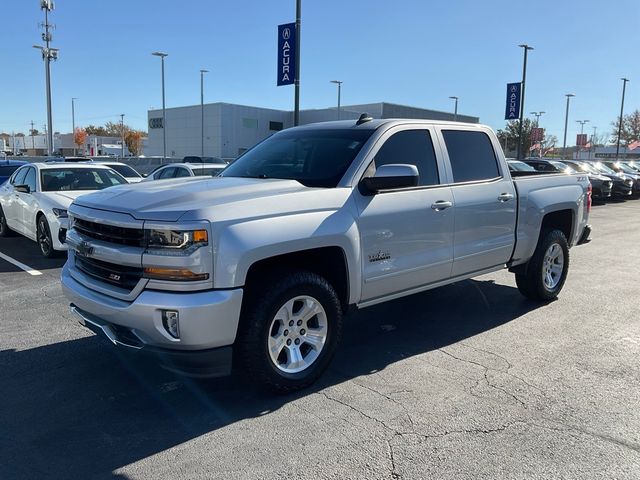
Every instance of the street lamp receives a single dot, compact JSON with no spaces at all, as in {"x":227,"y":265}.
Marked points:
{"x":122,"y":134}
{"x":202,"y":72}
{"x":538,"y":115}
{"x":624,"y":87}
{"x":581,"y":122}
{"x":455,"y":109}
{"x":73,"y":124}
{"x":339,"y":83}
{"x":566,"y":122}
{"x":164,"y":118}
{"x":524,"y":81}
{"x":593,"y":139}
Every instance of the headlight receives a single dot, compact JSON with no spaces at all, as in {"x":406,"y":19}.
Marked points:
{"x":60,"y":212}
{"x":176,"y":240}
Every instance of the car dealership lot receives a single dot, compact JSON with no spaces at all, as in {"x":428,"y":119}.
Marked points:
{"x":466,"y":381}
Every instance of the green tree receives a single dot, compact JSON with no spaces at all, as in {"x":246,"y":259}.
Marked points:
{"x":509,"y":136}
{"x":93,"y":130}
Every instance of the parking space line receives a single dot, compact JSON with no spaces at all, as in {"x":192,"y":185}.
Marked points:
{"x":21,"y":265}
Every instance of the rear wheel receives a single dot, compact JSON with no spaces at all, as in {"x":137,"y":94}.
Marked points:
{"x":289,"y":331}
{"x":43,"y":236}
{"x":4,"y":228}
{"x":547,"y":270}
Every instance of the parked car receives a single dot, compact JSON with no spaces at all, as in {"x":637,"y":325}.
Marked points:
{"x":178,"y":170}
{"x":69,"y":159}
{"x":123,"y":169}
{"x":7,"y":167}
{"x":622,"y":184}
{"x":550,"y":166}
{"x":519,"y":166}
{"x":621,"y":168}
{"x":601,"y":185}
{"x":35,"y":200}
{"x":260,"y":263}
{"x":197,"y":159}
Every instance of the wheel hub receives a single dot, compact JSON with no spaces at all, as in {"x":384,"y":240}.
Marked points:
{"x":552,"y":266}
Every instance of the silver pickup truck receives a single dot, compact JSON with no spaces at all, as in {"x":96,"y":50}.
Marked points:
{"x":256,"y":267}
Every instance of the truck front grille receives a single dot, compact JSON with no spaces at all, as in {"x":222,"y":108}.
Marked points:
{"x":118,"y":275}
{"x":121,"y":235}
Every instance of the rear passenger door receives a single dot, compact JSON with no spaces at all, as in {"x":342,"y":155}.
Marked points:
{"x":485,"y":202}
{"x":406,"y":234}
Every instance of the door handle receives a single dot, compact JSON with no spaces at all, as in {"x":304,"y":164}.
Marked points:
{"x":505,"y":197}
{"x":441,"y":205}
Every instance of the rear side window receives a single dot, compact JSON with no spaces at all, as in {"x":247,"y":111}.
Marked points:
{"x":182,"y":172}
{"x":413,"y":147}
{"x":166,"y":173}
{"x":471,"y":155}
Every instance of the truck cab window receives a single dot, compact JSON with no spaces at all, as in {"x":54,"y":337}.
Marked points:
{"x":413,"y":147}
{"x":471,"y":155}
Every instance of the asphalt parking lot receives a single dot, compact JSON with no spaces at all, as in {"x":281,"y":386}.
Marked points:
{"x":466,"y":381}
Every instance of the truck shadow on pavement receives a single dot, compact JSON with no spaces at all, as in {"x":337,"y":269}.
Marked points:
{"x":77,"y":409}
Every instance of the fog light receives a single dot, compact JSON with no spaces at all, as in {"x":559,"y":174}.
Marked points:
{"x":171,"y":322}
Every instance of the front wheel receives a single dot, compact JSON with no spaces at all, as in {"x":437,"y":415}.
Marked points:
{"x":4,"y":228}
{"x":547,"y":270}
{"x":43,"y":235}
{"x":290,"y":330}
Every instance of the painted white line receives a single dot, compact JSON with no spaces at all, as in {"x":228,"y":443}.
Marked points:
{"x":21,"y":265}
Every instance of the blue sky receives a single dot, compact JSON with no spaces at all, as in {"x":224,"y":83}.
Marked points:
{"x":412,"y":52}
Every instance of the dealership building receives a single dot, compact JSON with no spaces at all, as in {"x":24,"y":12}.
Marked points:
{"x":230,"y":129}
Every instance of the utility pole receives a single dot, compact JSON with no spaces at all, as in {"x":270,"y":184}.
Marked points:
{"x":122,"y":133}
{"x":73,"y":124}
{"x":339,"y":83}
{"x":296,"y":112}
{"x":162,"y":55}
{"x":566,"y":123}
{"x":33,"y":141}
{"x":48,"y":54}
{"x":202,"y":72}
{"x":524,"y":81}
{"x":593,"y":140}
{"x":455,"y":110}
{"x":624,"y":87}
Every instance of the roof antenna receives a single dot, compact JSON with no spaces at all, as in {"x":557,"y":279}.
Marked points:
{"x":365,"y":117}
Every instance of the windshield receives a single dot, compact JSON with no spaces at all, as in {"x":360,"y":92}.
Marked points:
{"x":626,"y":168}
{"x":315,"y":158}
{"x":124,"y":170}
{"x":211,"y":171}
{"x":603,"y":168}
{"x":520,"y":166}
{"x":65,"y":179}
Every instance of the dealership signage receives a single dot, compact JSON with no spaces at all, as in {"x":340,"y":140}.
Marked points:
{"x":537,"y":134}
{"x":286,"y":54}
{"x":581,"y":139}
{"x":512,"y":111}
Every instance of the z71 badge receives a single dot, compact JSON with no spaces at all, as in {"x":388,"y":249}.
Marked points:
{"x":380,"y":256}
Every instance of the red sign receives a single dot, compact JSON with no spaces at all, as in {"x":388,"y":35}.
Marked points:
{"x":537,"y":134}
{"x":581,"y":139}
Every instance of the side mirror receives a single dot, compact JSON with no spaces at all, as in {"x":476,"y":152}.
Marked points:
{"x":22,"y":188}
{"x":389,"y":177}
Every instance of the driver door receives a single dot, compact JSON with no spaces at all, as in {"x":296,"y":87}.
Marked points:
{"x":27,"y":205}
{"x":10,"y":206}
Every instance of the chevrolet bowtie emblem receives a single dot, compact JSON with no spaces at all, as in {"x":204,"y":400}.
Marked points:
{"x":84,"y":249}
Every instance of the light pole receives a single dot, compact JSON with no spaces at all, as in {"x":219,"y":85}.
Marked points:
{"x":581,"y":122}
{"x":33,"y":141}
{"x":566,"y":122}
{"x":593,"y":139}
{"x":524,"y":81}
{"x":339,"y":84}
{"x":624,"y":87}
{"x":296,"y":112}
{"x":164,"y":118}
{"x":73,"y":124}
{"x":122,"y":134}
{"x":455,"y":109}
{"x":202,"y":72}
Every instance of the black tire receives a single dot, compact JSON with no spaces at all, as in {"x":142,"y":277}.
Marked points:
{"x":43,"y":237}
{"x":531,"y":282}
{"x":260,"y":307}
{"x":5,"y":231}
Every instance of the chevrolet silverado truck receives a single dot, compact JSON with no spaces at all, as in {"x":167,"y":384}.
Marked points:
{"x":256,"y":267}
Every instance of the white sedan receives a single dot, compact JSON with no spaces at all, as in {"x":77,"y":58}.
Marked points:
{"x":35,"y":199}
{"x":178,"y":170}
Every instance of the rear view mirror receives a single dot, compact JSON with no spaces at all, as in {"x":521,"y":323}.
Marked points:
{"x":22,"y":188}
{"x":389,"y":177}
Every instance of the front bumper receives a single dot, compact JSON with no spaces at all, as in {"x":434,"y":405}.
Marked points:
{"x":208,"y":319}
{"x":214,"y":362}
